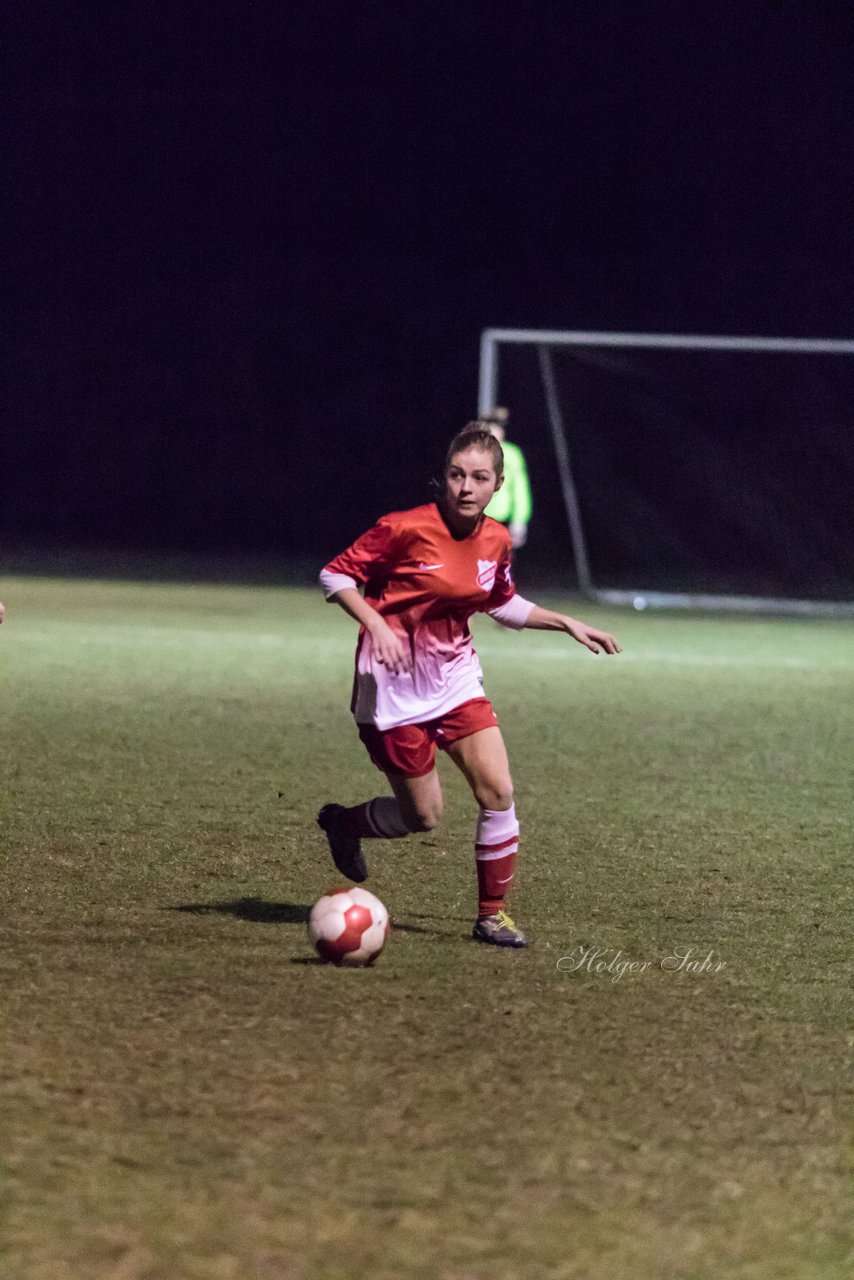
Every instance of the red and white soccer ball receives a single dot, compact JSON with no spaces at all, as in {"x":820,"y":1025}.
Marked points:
{"x":348,"y":927}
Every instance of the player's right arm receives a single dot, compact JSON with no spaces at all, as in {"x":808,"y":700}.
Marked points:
{"x":366,"y":558}
{"x":388,"y":648}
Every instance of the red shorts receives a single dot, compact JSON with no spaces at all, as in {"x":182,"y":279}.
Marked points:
{"x":410,"y":749}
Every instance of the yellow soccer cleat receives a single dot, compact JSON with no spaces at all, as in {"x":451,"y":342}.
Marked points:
{"x":499,"y":930}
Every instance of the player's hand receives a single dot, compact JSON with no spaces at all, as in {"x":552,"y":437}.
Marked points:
{"x":518,"y":534}
{"x":390,"y":650}
{"x":2,"y":611}
{"x":590,"y":637}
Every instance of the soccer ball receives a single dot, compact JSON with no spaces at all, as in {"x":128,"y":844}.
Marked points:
{"x":348,"y":927}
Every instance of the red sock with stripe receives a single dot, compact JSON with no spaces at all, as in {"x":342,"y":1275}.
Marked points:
{"x":496,"y":846}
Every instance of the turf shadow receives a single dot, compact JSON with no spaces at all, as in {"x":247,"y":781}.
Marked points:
{"x":254,"y":909}
{"x":258,"y":911}
{"x":416,"y":915}
{"x":397,"y":927}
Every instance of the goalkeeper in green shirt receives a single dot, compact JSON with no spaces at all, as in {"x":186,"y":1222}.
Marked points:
{"x":512,"y":503}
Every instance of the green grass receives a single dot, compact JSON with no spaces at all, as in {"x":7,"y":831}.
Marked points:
{"x":187,"y":1095}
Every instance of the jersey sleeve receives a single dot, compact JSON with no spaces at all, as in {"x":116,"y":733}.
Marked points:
{"x":504,"y":604}
{"x":366,"y":558}
{"x":504,"y":588}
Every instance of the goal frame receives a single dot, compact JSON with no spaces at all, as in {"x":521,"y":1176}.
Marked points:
{"x":544,"y":340}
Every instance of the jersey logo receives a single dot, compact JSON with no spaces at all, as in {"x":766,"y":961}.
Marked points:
{"x":486,"y":570}
{"x":422,"y":568}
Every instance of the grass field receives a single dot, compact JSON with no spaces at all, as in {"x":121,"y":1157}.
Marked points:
{"x":188,"y":1095}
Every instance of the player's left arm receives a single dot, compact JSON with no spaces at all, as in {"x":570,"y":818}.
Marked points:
{"x":591,"y":637}
{"x":506,"y":606}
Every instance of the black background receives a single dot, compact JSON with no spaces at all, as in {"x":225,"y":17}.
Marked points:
{"x":251,"y":247}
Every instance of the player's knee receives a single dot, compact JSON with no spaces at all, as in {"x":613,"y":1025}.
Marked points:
{"x":496,"y":795}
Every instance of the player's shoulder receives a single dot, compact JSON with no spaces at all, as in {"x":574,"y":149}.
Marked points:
{"x":399,"y":530}
{"x":496,"y":533}
{"x":412,"y":519}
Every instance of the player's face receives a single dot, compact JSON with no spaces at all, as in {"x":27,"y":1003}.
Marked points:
{"x":470,"y":482}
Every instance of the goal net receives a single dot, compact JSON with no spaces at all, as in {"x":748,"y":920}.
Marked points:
{"x":686,"y":471}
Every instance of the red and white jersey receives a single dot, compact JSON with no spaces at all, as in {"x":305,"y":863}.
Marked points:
{"x":426,"y":583}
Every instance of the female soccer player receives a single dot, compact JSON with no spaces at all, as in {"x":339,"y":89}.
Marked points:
{"x":418,"y":682}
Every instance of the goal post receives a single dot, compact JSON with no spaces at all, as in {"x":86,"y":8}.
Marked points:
{"x":603,"y":378}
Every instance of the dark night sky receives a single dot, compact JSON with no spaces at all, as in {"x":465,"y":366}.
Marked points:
{"x":252,"y":245}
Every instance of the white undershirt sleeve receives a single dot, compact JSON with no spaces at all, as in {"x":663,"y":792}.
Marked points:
{"x":514,"y":614}
{"x":332,"y":582}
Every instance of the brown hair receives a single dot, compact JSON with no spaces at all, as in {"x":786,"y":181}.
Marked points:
{"x":477,"y":435}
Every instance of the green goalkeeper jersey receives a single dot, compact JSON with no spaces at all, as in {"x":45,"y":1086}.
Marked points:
{"x":512,"y":502}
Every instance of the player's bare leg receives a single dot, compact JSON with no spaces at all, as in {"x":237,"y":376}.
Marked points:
{"x":419,"y":799}
{"x":415,"y":806}
{"x":482,"y":758}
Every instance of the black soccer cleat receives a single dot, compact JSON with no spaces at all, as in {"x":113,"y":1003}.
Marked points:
{"x":345,"y":848}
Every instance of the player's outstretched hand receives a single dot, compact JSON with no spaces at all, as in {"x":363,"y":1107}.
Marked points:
{"x":2,"y":611}
{"x":591,"y":638}
{"x":390,"y":650}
